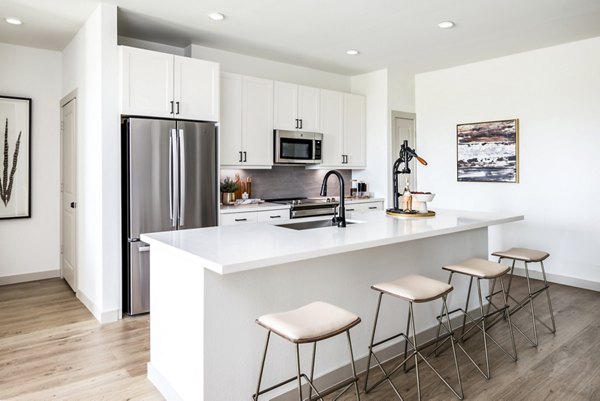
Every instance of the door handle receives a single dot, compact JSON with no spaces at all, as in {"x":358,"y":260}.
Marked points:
{"x":177,"y":104}
{"x":173,"y":178}
{"x":73,"y":205}
{"x":297,"y":123}
{"x":343,"y":159}
{"x":300,"y":123}
{"x":275,"y":217}
{"x":181,"y":177}
{"x":241,"y":219}
{"x":349,"y":210}
{"x":240,"y":156}
{"x":372,"y":207}
{"x":171,"y":107}
{"x":245,"y":157}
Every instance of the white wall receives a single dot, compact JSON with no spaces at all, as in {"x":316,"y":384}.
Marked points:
{"x":374,"y":86}
{"x":262,"y":68}
{"x":157,"y":47}
{"x":31,"y":246}
{"x":555,"y":94}
{"x":90,"y":63}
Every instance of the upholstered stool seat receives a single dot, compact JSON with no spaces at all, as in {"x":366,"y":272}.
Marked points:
{"x":523,"y":254}
{"x":479,"y":268}
{"x":309,"y":324}
{"x":527,"y":256}
{"x":414,"y":289}
{"x":482,"y":269}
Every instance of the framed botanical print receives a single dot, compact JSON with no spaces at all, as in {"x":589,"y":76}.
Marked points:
{"x":488,"y":151}
{"x":15,"y":157}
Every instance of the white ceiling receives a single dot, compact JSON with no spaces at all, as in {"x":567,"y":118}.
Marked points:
{"x":316,"y":33}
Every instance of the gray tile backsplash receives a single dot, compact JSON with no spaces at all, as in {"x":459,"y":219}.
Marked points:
{"x":288,"y":182}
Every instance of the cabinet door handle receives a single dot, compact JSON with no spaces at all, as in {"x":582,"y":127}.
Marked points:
{"x":245,"y":157}
{"x":346,"y":159}
{"x":349,"y":210}
{"x":297,"y":123}
{"x":372,"y":207}
{"x":177,"y":104}
{"x":275,"y":217}
{"x":73,"y":205}
{"x":300,"y":123}
{"x":241,"y":219}
{"x":171,"y":107}
{"x":342,"y":159}
{"x":240,"y":152}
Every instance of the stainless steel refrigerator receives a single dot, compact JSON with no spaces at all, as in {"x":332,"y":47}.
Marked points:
{"x":170,"y":183}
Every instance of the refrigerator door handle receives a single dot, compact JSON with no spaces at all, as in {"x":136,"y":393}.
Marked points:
{"x":173,"y":175}
{"x":181,"y":178}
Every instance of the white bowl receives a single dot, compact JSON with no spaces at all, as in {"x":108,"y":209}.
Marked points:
{"x":423,"y":197}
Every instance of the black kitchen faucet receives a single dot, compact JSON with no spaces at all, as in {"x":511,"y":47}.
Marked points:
{"x":341,"y":219}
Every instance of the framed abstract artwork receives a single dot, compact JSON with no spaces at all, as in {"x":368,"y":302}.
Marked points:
{"x":15,"y":157}
{"x":488,"y":151}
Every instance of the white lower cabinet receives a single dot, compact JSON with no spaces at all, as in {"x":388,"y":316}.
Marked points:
{"x":361,"y":206}
{"x":255,"y":216}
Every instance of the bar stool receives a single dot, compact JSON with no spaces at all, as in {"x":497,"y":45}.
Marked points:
{"x":309,"y":324}
{"x":481,"y":269}
{"x":528,"y":256}
{"x":414,"y":289}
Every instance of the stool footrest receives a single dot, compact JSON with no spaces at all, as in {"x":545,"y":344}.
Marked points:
{"x":335,"y":387}
{"x":283,"y":383}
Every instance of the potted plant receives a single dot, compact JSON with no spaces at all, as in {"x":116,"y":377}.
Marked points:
{"x":228,"y":188}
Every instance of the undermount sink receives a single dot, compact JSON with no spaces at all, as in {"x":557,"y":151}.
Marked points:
{"x":308,"y":225}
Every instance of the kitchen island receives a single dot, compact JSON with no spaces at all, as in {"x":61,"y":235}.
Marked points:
{"x":208,"y":285}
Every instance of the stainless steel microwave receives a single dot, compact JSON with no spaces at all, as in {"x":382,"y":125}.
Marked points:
{"x":297,"y":147}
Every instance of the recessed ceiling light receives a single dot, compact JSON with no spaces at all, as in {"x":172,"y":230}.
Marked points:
{"x":446,"y":24}
{"x":216,"y":16}
{"x":352,"y":52}
{"x":13,"y":21}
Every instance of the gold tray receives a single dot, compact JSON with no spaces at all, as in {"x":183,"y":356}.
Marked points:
{"x":392,"y":213}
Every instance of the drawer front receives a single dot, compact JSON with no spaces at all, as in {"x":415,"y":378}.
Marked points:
{"x":364,"y":207}
{"x":270,"y":216}
{"x":230,"y":219}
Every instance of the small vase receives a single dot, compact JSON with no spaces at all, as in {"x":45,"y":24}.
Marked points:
{"x":228,"y":198}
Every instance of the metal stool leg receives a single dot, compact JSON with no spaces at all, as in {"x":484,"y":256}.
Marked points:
{"x":262,"y":367}
{"x":510,"y":327}
{"x":353,"y":366}
{"x":487,"y":361}
{"x":452,"y":340}
{"x":312,"y":369}
{"x":439,"y":329}
{"x":414,"y":336}
{"x":462,"y":334}
{"x":299,"y":373}
{"x":548,"y":297}
{"x":406,"y":342}
{"x":535,"y":338}
{"x":372,"y":341}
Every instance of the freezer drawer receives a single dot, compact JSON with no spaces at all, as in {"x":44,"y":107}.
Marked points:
{"x":139,"y":278}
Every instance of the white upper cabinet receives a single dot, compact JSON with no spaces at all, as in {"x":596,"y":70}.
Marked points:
{"x":257,"y":121}
{"x":146,"y":82}
{"x":156,"y":84}
{"x":196,"y":89}
{"x":230,"y":129}
{"x":355,"y":131}
{"x":344,"y":130}
{"x":296,"y":107}
{"x":332,"y":124}
{"x":246,"y":128}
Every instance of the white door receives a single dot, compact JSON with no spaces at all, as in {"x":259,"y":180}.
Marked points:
{"x":285,"y":110}
{"x":146,"y":83}
{"x":69,"y":193}
{"x":332,"y":124}
{"x":257,"y":121}
{"x":196,"y":88}
{"x":355,"y":131}
{"x":404,"y":130}
{"x":309,"y":108}
{"x":230,"y":128}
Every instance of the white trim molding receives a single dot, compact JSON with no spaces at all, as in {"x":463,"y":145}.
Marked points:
{"x":101,"y":316}
{"x":23,"y":278}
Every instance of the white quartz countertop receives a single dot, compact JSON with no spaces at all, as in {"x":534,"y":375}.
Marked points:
{"x":230,"y":249}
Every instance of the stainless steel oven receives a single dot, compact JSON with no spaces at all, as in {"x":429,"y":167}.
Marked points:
{"x":295,"y":147}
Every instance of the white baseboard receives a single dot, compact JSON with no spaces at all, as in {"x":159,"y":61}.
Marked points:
{"x":161,"y":384}
{"x":558,"y":279}
{"x":23,"y":278}
{"x":102,"y":316}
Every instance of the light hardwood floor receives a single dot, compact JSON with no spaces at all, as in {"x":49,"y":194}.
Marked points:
{"x":51,"y":348}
